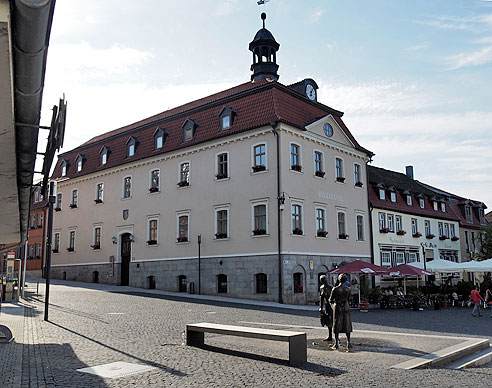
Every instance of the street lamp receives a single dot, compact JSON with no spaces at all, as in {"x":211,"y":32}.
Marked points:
{"x":199,"y":263}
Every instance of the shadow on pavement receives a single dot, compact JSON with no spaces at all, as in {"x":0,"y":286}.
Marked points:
{"x":309,"y":366}
{"x":146,"y":362}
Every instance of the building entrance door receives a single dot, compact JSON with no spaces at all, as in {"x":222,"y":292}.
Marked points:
{"x":126,"y":252}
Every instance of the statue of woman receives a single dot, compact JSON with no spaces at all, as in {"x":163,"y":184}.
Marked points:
{"x":325,"y":310}
{"x":339,"y":300}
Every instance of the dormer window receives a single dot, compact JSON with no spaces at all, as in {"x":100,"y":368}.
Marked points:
{"x":64,"y":167}
{"x":131,"y":146}
{"x":443,"y":207}
{"x":434,"y":204}
{"x":422,"y":203}
{"x":104,"y":152}
{"x":468,"y":213}
{"x":79,"y":160}
{"x":409,"y":200}
{"x":226,"y":118}
{"x":382,"y":195}
{"x":159,"y":138}
{"x":393,"y":196}
{"x":189,"y":127}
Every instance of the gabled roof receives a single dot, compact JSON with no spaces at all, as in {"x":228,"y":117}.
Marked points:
{"x":403,"y":186}
{"x":257,"y":104}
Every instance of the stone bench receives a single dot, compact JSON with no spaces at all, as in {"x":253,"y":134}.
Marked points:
{"x":195,"y":336}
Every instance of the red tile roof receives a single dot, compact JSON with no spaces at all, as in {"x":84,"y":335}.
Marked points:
{"x":256,"y":104}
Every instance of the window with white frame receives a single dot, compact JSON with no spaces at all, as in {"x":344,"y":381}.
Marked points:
{"x":259,"y":157}
{"x":127,"y":187}
{"x":152,"y":231}
{"x":295,"y":157}
{"x":319,"y":168}
{"x":443,"y":207}
{"x":428,"y":231}
{"x":446,"y":229}
{"x":382,"y":220}
{"x":422,"y":203}
{"x":468,"y":213}
{"x":357,"y":175}
{"x":400,"y":258}
{"x":392,"y":196}
{"x":361,"y":233}
{"x":131,"y":146}
{"x":99,"y":193}
{"x":452,"y":231}
{"x":96,"y":243}
{"x":75,"y":198}
{"x":259,"y":218}
{"x":415,"y":229}
{"x":435,"y":205}
{"x":56,"y":242}
{"x":71,"y":241}
{"x":412,"y":257}
{"x":321,"y":222}
{"x":184,"y":174}
{"x":64,"y":167}
{"x":79,"y":164}
{"x":183,"y":227}
{"x":154,"y":181}
{"x":382,"y":195}
{"x":296,"y":217}
{"x":409,"y":200}
{"x":131,"y":150}
{"x":342,"y":225}
{"x":339,"y":171}
{"x":222,"y":167}
{"x":398,"y":223}
{"x":391,"y":222}
{"x":473,"y":242}
{"x":159,"y":138}
{"x":467,"y":242}
{"x":104,"y":158}
{"x":440,"y":229}
{"x":58,"y":206}
{"x":40,"y":220}
{"x":221,"y":223}
{"x":386,"y":259}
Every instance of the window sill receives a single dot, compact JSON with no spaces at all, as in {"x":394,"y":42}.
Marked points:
{"x":126,"y":199}
{"x":184,"y":187}
{"x":222,"y":239}
{"x":340,"y":182}
{"x":154,"y":192}
{"x":321,"y":237}
{"x":223,"y":179}
{"x":182,"y":242}
{"x":297,"y":172}
{"x":258,"y":172}
{"x":297,"y":235}
{"x":152,"y":245}
{"x":260,"y":235}
{"x":319,"y":177}
{"x":342,"y":239}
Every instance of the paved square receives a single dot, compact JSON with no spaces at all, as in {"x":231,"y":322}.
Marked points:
{"x":116,"y":369}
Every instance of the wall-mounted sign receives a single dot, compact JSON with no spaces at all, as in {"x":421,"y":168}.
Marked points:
{"x":333,"y":197}
{"x":125,"y":214}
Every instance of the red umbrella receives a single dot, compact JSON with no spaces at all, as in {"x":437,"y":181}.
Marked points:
{"x":360,"y":267}
{"x":408,"y":270}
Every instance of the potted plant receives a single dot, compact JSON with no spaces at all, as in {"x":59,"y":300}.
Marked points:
{"x":152,"y":242}
{"x":321,"y":233}
{"x":153,"y":189}
{"x":401,"y":233}
{"x":443,"y":237}
{"x":258,"y":168}
{"x":320,"y":173}
{"x":384,"y":230}
{"x":343,"y":236}
{"x":430,"y":236}
{"x":183,"y":184}
{"x":70,"y":249}
{"x":220,"y":235}
{"x":296,"y":167}
{"x":98,"y":200}
{"x":259,"y":231}
{"x":359,"y":184}
{"x":455,"y":238}
{"x":340,"y":179}
{"x":417,"y":234}
{"x":297,"y":231}
{"x":220,"y":176}
{"x":73,"y":205}
{"x":57,"y":209}
{"x":182,"y":239}
{"x":96,"y":246}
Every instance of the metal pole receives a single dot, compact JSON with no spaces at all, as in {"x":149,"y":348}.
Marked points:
{"x":51,"y":201}
{"x":199,"y":265}
{"x":25,"y":265}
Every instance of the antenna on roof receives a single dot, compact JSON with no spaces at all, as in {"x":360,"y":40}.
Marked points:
{"x":263,"y":17}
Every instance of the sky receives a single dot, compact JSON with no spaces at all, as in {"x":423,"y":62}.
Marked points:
{"x":414,"y":79}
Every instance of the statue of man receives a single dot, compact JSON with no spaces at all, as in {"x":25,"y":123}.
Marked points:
{"x":339,"y":300}
{"x":325,"y":310}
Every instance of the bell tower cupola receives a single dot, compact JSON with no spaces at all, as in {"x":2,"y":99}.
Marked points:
{"x":264,"y":49}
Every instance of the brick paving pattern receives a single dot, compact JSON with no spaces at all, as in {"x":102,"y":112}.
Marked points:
{"x":92,"y":325}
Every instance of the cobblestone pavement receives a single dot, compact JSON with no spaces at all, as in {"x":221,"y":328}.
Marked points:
{"x":92,"y":325}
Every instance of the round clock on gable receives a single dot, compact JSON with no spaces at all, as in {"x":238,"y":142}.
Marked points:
{"x":311,"y":92}
{"x":328,"y":130}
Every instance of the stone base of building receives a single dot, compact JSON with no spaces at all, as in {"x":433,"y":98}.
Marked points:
{"x":245,"y":277}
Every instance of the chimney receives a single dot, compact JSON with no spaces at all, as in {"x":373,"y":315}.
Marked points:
{"x":409,"y":171}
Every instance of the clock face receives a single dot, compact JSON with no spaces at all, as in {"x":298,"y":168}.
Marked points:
{"x":310,"y":92}
{"x":328,"y":130}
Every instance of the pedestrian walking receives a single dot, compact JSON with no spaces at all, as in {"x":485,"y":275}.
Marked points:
{"x":488,"y":298}
{"x":475,"y":297}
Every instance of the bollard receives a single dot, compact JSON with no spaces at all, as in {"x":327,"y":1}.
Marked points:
{"x":37,"y":288}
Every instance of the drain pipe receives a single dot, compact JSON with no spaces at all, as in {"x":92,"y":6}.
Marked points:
{"x":274,"y":125}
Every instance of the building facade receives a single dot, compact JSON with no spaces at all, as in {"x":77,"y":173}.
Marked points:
{"x":36,"y":243}
{"x":409,"y":221}
{"x":270,"y":181}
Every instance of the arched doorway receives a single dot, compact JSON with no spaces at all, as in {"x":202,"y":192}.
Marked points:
{"x":126,"y":252}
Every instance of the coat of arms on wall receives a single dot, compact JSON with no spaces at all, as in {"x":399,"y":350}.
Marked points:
{"x":125,"y":214}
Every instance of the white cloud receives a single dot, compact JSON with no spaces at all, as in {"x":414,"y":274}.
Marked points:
{"x":317,"y":14}
{"x":418,"y":47}
{"x":474,"y":58}
{"x":226,"y":7}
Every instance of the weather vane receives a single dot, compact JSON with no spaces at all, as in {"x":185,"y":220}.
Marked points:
{"x":262,"y":2}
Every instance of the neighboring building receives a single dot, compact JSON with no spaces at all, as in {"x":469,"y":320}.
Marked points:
{"x":409,"y":219}
{"x":36,"y":243}
{"x":132,"y":202}
{"x":472,"y":219}
{"x":488,"y":217}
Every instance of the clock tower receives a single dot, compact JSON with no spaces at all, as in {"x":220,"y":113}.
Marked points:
{"x":264,"y":49}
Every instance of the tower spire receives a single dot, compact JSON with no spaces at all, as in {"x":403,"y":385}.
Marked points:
{"x":264,"y":49}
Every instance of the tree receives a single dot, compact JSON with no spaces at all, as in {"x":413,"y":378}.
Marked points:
{"x":486,"y":248}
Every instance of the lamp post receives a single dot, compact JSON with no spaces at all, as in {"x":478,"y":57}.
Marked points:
{"x":51,"y":201}
{"x":199,"y":264}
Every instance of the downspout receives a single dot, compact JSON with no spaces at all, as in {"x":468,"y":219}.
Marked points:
{"x":370,"y":208}
{"x":274,"y":125}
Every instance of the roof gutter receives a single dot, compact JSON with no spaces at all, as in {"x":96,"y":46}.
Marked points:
{"x":31,"y":27}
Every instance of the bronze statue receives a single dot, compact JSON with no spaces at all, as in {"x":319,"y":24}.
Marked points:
{"x":339,"y":300}
{"x":325,"y":310}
